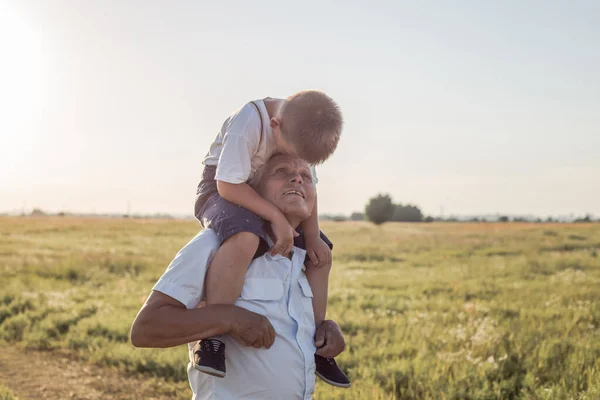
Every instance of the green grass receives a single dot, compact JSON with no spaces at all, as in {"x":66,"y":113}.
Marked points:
{"x":6,"y":394}
{"x":430,"y":311}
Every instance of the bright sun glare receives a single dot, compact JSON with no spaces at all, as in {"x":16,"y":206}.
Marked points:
{"x":22,"y":83}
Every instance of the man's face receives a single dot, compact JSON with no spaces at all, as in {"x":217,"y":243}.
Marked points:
{"x":287,"y":183}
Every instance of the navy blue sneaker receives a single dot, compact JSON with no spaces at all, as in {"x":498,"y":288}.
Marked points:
{"x":209,"y":357}
{"x":329,"y":372}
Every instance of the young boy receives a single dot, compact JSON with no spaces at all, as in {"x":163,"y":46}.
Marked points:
{"x":307,"y":124}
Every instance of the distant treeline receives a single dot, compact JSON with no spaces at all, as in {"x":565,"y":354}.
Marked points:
{"x":378,"y":210}
{"x":381,"y":208}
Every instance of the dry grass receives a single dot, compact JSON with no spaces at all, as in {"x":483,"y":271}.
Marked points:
{"x":430,"y":311}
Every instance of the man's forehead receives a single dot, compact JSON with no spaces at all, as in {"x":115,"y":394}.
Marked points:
{"x":284,"y":159}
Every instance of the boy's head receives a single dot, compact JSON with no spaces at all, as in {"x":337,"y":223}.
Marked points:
{"x":308,"y":124}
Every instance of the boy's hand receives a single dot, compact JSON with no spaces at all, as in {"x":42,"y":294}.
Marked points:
{"x":329,"y":340}
{"x":284,"y":234}
{"x":318,"y":252}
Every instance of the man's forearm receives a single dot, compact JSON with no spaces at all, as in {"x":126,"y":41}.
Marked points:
{"x":243,"y":195}
{"x":169,"y":325}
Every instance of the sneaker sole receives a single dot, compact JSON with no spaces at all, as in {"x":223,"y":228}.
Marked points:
{"x":332,"y":383}
{"x":209,"y":371}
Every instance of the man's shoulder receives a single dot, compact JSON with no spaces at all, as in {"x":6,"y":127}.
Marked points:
{"x":184,"y":278}
{"x":202,"y":246}
{"x":205,"y":241}
{"x":206,"y":237}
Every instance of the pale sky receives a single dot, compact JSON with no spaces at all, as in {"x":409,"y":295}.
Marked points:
{"x":476,"y":106}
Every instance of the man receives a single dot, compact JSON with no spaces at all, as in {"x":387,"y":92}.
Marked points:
{"x":270,"y":331}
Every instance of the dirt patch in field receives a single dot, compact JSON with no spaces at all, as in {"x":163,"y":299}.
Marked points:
{"x":52,"y":375}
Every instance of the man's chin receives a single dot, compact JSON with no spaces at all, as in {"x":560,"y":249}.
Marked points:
{"x":293,"y":201}
{"x":295,"y":209}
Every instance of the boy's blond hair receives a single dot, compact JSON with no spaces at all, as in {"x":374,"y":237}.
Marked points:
{"x":312,"y":122}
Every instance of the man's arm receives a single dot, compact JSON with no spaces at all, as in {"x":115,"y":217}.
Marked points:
{"x":329,"y":339}
{"x":165,"y":322}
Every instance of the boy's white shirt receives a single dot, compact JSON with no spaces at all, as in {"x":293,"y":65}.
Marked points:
{"x":241,"y":148}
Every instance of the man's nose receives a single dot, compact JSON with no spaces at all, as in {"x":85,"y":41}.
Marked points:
{"x":296,"y":178}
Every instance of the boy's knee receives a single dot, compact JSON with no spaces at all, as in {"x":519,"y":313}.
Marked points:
{"x":245,"y":242}
{"x":323,"y":268}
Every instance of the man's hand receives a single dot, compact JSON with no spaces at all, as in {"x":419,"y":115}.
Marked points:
{"x":252,"y":329}
{"x":318,"y":252}
{"x":329,"y":340}
{"x":284,"y":235}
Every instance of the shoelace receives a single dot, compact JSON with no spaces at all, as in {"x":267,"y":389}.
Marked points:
{"x":212,"y":345}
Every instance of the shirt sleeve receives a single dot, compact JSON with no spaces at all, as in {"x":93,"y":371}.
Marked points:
{"x":235,"y":161}
{"x":184,"y":278}
{"x":240,"y":143}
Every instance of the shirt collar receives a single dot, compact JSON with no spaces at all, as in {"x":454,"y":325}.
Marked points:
{"x":296,"y":251}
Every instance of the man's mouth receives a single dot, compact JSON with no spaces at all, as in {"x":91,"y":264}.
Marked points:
{"x":293,"y":192}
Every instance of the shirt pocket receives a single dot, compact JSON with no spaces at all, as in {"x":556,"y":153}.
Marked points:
{"x":260,"y":295}
{"x":307,"y":305}
{"x":305,"y":286}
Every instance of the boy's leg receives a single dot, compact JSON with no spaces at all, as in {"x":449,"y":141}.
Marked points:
{"x":227,"y":270}
{"x":319,"y":283}
{"x":239,"y":232}
{"x":223,"y":282}
{"x":318,"y":279}
{"x":327,"y":368}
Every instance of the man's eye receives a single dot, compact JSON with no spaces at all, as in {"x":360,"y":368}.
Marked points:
{"x":280,"y":170}
{"x":308,"y":177}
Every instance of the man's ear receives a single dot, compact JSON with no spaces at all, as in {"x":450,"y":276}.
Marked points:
{"x":275,"y":123}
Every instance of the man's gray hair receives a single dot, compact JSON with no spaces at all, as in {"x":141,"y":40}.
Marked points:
{"x":254,"y":182}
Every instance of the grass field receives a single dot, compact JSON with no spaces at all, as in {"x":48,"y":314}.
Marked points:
{"x":430,"y":311}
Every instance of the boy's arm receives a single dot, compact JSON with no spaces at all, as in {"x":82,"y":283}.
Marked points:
{"x":243,"y":195}
{"x":310,"y":226}
{"x":317,"y":250}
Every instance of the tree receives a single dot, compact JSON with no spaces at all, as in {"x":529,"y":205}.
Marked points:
{"x":587,"y":218}
{"x":407,"y":213}
{"x":503,"y":218}
{"x":380,"y":209}
{"x":38,"y":213}
{"x":357,"y":216}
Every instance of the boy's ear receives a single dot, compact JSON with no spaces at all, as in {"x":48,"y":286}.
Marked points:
{"x":275,"y":122}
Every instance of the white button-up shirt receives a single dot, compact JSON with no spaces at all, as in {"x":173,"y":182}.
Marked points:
{"x":275,"y":287}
